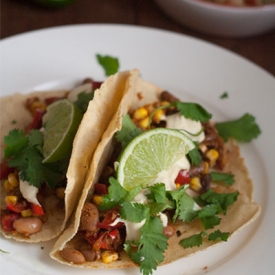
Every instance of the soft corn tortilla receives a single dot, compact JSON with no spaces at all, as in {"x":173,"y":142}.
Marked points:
{"x":93,"y":125}
{"x":243,"y":211}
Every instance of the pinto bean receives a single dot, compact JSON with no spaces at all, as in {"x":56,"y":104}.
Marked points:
{"x":168,"y":231}
{"x":72,"y":255}
{"x":89,"y":217}
{"x":27,"y":226}
{"x":90,"y":255}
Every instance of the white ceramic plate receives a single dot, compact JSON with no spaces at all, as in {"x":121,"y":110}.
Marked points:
{"x":191,"y":69}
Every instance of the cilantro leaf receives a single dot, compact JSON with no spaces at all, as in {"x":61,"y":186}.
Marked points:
{"x":15,"y":141}
{"x":116,"y":194}
{"x":193,"y":111}
{"x":208,"y":215}
{"x":110,"y":64}
{"x":226,"y":178}
{"x":151,"y":246}
{"x":83,"y":100}
{"x":195,"y":156}
{"x":210,"y":222}
{"x":185,"y":205}
{"x":221,"y":200}
{"x":218,"y":235}
{"x":28,"y":159}
{"x":194,"y":240}
{"x":158,"y":193}
{"x":127,"y":132}
{"x":224,"y":95}
{"x":243,"y":129}
{"x":134,"y":212}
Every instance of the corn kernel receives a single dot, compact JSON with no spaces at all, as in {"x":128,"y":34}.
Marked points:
{"x":97,"y":199}
{"x":38,"y":105}
{"x":109,"y":256}
{"x":158,"y":116}
{"x":164,"y":103}
{"x":11,"y":199}
{"x":195,"y":184}
{"x":7,"y":185}
{"x":13,"y":180}
{"x":206,"y":167}
{"x":212,"y":155}
{"x":144,"y":123}
{"x":140,"y":113}
{"x":178,"y":185}
{"x":26,"y":213}
{"x":60,"y":192}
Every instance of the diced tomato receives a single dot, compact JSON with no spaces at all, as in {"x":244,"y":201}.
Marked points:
{"x":101,"y":189}
{"x":109,"y":239}
{"x":36,"y":121}
{"x":109,"y":218}
{"x":105,"y":240}
{"x":96,"y":84}
{"x":17,"y":207}
{"x":37,"y":210}
{"x":5,"y":170}
{"x":182,"y":177}
{"x":7,"y":221}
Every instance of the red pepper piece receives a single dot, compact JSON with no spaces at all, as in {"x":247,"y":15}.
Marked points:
{"x":17,"y":207}
{"x":109,"y":239}
{"x":7,"y":221}
{"x":36,"y":121}
{"x":182,"y":177}
{"x":37,"y":210}
{"x":109,"y":218}
{"x":96,"y":84}
{"x":5,"y":170}
{"x":101,"y":189}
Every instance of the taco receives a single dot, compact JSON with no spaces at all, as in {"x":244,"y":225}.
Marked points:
{"x":130,"y":216}
{"x":37,"y":197}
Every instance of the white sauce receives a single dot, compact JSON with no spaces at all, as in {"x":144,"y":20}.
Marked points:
{"x":168,"y":176}
{"x":29,"y":192}
{"x":132,"y":229}
{"x":177,"y":121}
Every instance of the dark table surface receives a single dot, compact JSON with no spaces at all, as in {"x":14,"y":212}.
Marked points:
{"x":20,"y":16}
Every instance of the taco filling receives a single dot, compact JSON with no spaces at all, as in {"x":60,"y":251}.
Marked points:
{"x":170,"y":187}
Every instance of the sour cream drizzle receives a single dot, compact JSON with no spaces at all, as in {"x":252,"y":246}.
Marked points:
{"x":29,"y":192}
{"x":186,"y":125}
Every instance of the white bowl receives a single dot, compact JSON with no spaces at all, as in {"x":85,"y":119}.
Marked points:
{"x":220,"y":20}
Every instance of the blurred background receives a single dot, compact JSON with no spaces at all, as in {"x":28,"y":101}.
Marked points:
{"x":20,"y":16}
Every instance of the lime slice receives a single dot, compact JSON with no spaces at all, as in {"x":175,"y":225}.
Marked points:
{"x":61,"y":123}
{"x":149,"y":154}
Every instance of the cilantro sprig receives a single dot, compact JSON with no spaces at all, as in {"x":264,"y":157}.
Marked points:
{"x":24,"y":152}
{"x":197,"y":239}
{"x":109,"y":64}
{"x":243,"y":129}
{"x":226,"y":178}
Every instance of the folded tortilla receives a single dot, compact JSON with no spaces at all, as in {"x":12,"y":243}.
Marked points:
{"x":240,"y":214}
{"x":93,"y":125}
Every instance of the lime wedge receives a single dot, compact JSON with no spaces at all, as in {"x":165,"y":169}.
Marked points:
{"x":60,"y":123}
{"x":149,"y":154}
